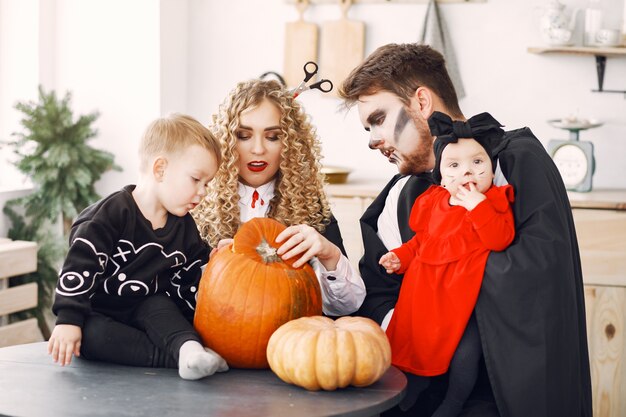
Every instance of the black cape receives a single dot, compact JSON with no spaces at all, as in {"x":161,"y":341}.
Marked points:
{"x":530,"y":311}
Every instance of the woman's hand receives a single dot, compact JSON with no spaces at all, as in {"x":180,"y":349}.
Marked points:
{"x":306,"y":241}
{"x":64,"y":341}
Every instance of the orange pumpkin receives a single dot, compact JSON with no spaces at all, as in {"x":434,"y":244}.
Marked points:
{"x":247,"y":292}
{"x":319,"y":353}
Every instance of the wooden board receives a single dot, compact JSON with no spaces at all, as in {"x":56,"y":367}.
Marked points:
{"x":342,"y":47}
{"x":602,"y":245}
{"x":300,"y":47}
{"x":17,"y":257}
{"x":18,"y":298}
{"x":606,"y":318}
{"x":26,"y":331}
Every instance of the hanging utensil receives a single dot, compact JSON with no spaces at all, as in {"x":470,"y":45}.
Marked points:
{"x":300,"y":45}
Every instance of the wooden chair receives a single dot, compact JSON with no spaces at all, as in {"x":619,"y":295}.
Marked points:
{"x":17,"y":258}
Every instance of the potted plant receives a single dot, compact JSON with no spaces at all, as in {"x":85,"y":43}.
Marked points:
{"x":53,"y":151}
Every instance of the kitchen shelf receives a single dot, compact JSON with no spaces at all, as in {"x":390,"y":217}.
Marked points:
{"x":580,"y":50}
{"x":386,"y":1}
{"x":599,"y":52}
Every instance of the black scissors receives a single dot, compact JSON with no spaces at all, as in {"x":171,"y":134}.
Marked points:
{"x":310,"y":69}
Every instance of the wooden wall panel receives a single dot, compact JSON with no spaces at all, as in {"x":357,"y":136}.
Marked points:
{"x":26,"y":331}
{"x":17,"y":258}
{"x":606,"y":316}
{"x":21,"y":297}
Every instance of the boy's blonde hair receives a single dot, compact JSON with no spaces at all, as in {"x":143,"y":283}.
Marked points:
{"x":174,"y":133}
{"x":299,"y":194}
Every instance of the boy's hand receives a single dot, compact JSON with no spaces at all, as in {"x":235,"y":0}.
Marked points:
{"x":390,"y":262}
{"x":469,"y":198}
{"x":221,"y":244}
{"x":64,"y":341}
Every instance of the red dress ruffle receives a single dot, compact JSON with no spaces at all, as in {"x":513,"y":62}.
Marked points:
{"x":443,"y":267}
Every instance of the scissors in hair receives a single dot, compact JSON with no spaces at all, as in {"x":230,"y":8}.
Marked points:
{"x":310,"y":69}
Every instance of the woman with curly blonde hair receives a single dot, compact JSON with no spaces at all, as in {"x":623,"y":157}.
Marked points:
{"x":271,"y":168}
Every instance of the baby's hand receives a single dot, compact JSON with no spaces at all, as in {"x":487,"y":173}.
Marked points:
{"x":390,"y":262}
{"x":469,"y":198}
{"x":64,"y":341}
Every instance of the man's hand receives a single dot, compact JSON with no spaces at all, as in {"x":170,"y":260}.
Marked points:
{"x":64,"y":341}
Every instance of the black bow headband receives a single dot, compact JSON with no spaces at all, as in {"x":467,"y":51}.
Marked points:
{"x":483,"y":128}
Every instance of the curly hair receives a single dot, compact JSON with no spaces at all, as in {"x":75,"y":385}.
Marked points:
{"x":299,"y":192}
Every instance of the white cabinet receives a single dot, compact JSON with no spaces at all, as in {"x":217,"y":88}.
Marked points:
{"x":347,"y":211}
{"x":348,"y":202}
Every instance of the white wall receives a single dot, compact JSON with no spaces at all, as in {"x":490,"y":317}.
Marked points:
{"x":135,"y":60}
{"x":174,"y":59}
{"x":108,"y":55}
{"x":19,"y":62}
{"x":239,"y":39}
{"x":106,"y":52}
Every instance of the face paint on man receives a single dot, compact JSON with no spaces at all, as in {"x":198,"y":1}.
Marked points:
{"x":395,"y":134}
{"x":413,"y":144}
{"x":402,"y":121}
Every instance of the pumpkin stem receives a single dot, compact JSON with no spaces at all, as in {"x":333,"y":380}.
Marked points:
{"x":267,"y":252}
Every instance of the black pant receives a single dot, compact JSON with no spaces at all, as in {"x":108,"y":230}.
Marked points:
{"x":149,"y":334}
{"x":466,"y":381}
{"x":463,"y":370}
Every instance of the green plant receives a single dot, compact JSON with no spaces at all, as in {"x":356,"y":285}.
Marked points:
{"x":52,"y":151}
{"x":63,"y":167}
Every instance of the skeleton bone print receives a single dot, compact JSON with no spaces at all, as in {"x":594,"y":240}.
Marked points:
{"x":130,"y":271}
{"x":72,"y":283}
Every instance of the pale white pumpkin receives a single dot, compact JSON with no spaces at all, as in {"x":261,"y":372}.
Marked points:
{"x":321,"y":353}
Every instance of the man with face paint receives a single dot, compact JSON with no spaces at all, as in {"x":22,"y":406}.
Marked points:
{"x":530,"y":311}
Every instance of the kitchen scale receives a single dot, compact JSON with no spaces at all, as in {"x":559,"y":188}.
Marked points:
{"x":573,"y":157}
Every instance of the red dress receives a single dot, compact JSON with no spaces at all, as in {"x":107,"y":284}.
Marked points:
{"x":443,"y":266}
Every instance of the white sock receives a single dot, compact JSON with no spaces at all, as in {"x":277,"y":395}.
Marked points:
{"x":196,"y":361}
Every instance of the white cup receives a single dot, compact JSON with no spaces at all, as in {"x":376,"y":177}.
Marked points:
{"x":558,"y":36}
{"x":608,"y":37}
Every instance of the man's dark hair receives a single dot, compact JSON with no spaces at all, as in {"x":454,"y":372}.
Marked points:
{"x":401,"y":69}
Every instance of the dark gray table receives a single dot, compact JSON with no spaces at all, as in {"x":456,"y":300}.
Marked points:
{"x":32,"y":385}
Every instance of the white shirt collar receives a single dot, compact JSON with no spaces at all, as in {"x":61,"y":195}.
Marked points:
{"x":266,"y":193}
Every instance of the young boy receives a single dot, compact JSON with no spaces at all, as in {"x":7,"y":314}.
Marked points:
{"x":126,"y":293}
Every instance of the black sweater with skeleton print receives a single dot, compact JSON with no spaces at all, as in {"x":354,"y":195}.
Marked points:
{"x":116,"y":259}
